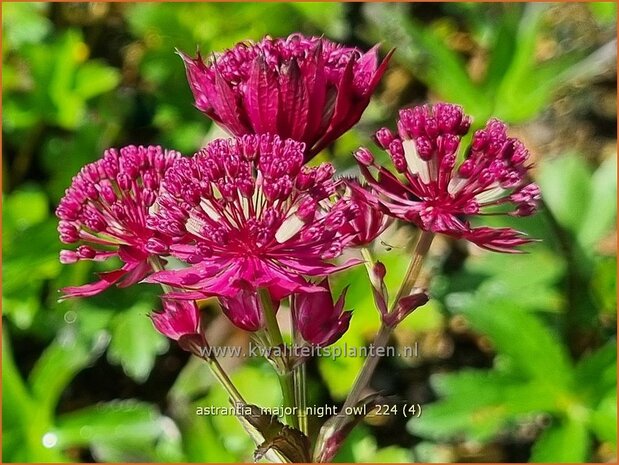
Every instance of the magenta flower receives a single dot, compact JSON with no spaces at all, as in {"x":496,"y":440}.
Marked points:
{"x":246,"y":212}
{"x":104,"y":212}
{"x":437,"y":196}
{"x":244,"y":309}
{"x":318,"y":319}
{"x":304,"y":88}
{"x":179,"y":318}
{"x":370,"y":221}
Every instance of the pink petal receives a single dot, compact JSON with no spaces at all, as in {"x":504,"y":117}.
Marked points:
{"x":225,"y":104}
{"x":87,"y":290}
{"x":294,"y":103}
{"x":261,"y":98}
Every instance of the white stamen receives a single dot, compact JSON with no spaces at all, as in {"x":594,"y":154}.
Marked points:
{"x":415,"y":164}
{"x":289,"y":227}
{"x":492,"y":193}
{"x":194,"y":226}
{"x":210,"y":211}
{"x":455,"y":185}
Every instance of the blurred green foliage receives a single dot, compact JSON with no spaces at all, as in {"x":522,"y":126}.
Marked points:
{"x":539,"y":328}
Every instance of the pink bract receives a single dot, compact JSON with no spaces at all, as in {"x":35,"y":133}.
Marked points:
{"x":244,"y":309}
{"x":245,"y":213}
{"x":371,"y":220}
{"x":317,"y":318}
{"x":104,"y":213}
{"x":435,"y":194}
{"x":304,"y":88}
{"x":179,"y":318}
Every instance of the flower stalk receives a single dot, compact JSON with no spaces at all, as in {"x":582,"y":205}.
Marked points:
{"x":221,"y":376}
{"x":283,"y":372}
{"x":384,"y":333}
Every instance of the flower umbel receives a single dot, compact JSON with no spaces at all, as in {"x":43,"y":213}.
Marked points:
{"x":104,"y":212}
{"x":304,"y":88}
{"x":438,"y":196}
{"x":246,"y":212}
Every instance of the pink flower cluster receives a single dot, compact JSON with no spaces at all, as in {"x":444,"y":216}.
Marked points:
{"x":247,"y":214}
{"x":105,"y":210}
{"x":430,"y":191}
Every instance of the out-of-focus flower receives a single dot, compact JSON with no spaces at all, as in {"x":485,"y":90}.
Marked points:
{"x":370,"y":222}
{"x":105,"y":211}
{"x":246,"y":212}
{"x":304,"y":88}
{"x":437,"y":196}
{"x":318,"y":319}
{"x":179,"y":318}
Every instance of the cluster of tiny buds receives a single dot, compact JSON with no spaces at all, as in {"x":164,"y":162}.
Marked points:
{"x":249,"y":193}
{"x":112,"y":196}
{"x":235,"y":64}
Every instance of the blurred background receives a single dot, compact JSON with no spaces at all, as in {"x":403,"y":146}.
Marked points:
{"x":516,"y":355}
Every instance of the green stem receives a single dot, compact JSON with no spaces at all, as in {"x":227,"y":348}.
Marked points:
{"x":285,"y":375}
{"x":299,"y":376}
{"x":223,"y":378}
{"x":384,"y":333}
{"x":300,"y":381}
{"x":414,"y":267}
{"x":369,"y":261}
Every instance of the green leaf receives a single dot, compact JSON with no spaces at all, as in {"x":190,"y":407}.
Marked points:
{"x":566,"y":442}
{"x":338,"y":370}
{"x":30,"y":258}
{"x":14,"y":391}
{"x":230,"y":434}
{"x":422,"y":50}
{"x":365,"y":450}
{"x":59,"y":363}
{"x":25,"y":421}
{"x":201,"y":441}
{"x":604,"y":12}
{"x":509,"y":98}
{"x":596,"y":374}
{"x":135,"y":342}
{"x":567,"y":187}
{"x":602,"y":212}
{"x":109,"y":422}
{"x":328,"y":17}
{"x":528,"y":279}
{"x":25,"y":207}
{"x":503,"y":47}
{"x":478,"y":404}
{"x":604,"y":419}
{"x":125,"y":430}
{"x":95,"y":78}
{"x":24,"y":23}
{"x":604,"y":285}
{"x":531,"y":348}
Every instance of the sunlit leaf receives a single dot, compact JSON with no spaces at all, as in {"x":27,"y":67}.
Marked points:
{"x":135,"y":342}
{"x":565,"y":442}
